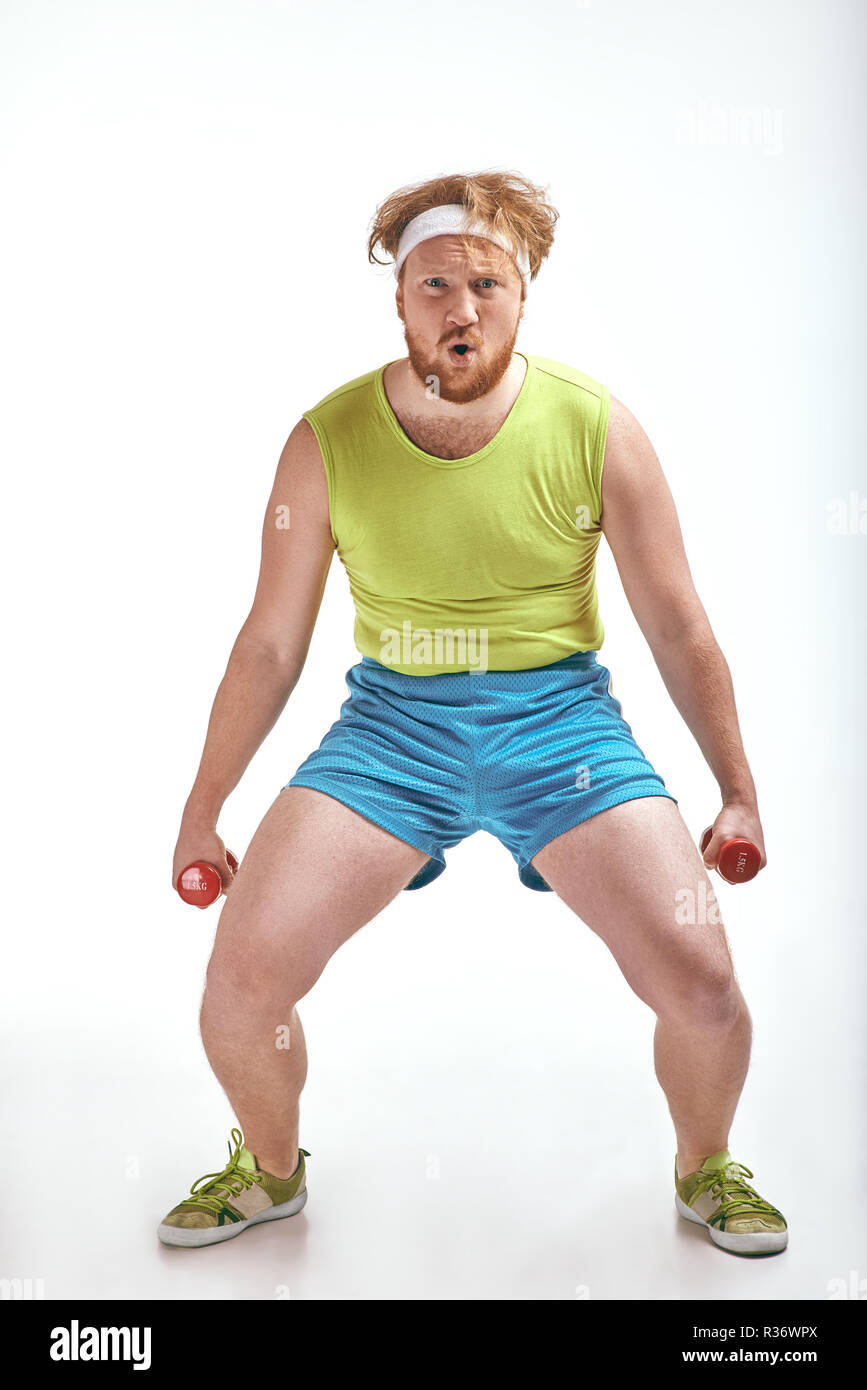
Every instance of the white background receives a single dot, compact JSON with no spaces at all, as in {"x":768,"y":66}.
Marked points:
{"x":188,"y":189}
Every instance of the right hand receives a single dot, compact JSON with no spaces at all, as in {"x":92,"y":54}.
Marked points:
{"x":199,"y":841}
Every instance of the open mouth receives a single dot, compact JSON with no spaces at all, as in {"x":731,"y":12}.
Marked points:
{"x":461,"y":350}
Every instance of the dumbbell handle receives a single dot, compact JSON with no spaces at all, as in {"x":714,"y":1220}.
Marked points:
{"x":738,"y":859}
{"x":200,"y":884}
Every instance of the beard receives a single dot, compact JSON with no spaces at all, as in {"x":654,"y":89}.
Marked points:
{"x":456,"y":383}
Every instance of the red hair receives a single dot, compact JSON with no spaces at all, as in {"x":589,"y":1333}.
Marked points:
{"x":504,"y":200}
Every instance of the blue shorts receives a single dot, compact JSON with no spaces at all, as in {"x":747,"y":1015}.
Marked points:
{"x":524,"y":755}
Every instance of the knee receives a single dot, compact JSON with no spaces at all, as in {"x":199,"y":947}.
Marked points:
{"x":711,"y":998}
{"x":234,"y":978}
{"x":259,"y":970}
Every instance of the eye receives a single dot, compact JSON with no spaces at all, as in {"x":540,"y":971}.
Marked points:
{"x":436,"y":282}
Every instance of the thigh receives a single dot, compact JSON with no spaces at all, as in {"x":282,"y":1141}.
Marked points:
{"x":633,"y":874}
{"x":314,"y":873}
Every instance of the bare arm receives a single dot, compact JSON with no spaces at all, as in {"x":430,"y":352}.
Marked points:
{"x":271,"y":648}
{"x":640,"y":522}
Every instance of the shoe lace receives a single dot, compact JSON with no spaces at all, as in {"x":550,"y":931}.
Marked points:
{"x":737,"y":1198}
{"x":227,"y":1183}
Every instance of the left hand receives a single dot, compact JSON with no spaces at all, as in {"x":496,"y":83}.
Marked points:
{"x":737,"y":819}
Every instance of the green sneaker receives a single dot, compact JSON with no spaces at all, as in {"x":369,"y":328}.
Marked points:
{"x":240,"y":1196}
{"x":736,"y":1217}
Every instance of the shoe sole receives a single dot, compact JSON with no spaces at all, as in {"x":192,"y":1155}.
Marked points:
{"x":755,"y":1243}
{"x":191,"y":1236}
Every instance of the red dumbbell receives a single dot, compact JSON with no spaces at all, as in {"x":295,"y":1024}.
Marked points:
{"x":199,"y":884}
{"x":738,"y":860}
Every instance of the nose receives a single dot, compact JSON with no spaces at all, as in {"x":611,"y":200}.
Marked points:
{"x":461,"y":309}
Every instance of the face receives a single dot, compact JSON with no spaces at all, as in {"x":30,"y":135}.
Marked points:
{"x":446,"y":298}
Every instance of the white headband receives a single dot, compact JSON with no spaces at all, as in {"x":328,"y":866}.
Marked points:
{"x":453,"y":217}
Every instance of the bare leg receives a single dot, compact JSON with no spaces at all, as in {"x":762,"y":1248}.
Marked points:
{"x":314,"y":873}
{"x":624,"y":873}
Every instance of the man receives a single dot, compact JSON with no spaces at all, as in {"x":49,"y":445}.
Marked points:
{"x":465,"y":488}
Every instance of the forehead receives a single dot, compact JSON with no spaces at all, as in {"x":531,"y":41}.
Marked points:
{"x":448,"y":250}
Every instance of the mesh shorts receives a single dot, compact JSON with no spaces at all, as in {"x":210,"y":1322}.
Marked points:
{"x":524,"y":755}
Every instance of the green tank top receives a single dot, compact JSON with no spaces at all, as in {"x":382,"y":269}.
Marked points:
{"x":480,"y":563}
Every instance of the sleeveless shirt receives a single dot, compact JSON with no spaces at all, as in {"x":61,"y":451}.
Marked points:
{"x":486,"y":562}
